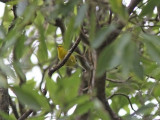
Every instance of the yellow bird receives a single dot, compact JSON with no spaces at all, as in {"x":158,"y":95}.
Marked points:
{"x":61,"y":54}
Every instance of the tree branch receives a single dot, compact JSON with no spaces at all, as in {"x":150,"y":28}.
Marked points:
{"x":120,"y":25}
{"x":132,"y":5}
{"x":124,"y":96}
{"x":25,"y":115}
{"x":101,"y":95}
{"x":111,"y":112}
{"x":110,"y":17}
{"x":51,"y":71}
{"x":100,"y":82}
{"x":13,"y":108}
{"x":4,"y":101}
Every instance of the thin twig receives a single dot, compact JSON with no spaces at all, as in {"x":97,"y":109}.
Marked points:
{"x":93,"y":70}
{"x":117,"y":81}
{"x":15,"y":17}
{"x":124,"y":96}
{"x":51,"y":71}
{"x":110,"y":17}
{"x":84,"y":37}
{"x":43,"y":74}
{"x":13,"y":108}
{"x":25,"y":115}
{"x":132,"y":5}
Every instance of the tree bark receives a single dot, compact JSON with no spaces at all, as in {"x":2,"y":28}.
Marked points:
{"x":4,"y":101}
{"x":100,"y":88}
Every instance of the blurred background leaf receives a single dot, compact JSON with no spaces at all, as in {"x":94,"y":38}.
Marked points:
{"x":30,"y":97}
{"x":28,"y":51}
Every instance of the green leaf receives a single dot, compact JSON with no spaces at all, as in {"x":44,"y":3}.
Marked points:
{"x":42,"y":51}
{"x":101,"y":36}
{"x":83,"y":108}
{"x":132,"y":118}
{"x":13,"y":2}
{"x":20,"y":47}
{"x":149,"y":7}
{"x":104,"y":57}
{"x":151,"y":68}
{"x":126,"y":54}
{"x":9,"y":40}
{"x":42,"y":48}
{"x":30,"y":97}
{"x":37,"y":118}
{"x":65,"y":9}
{"x":81,"y":14}
{"x":21,"y":6}
{"x":129,"y":58}
{"x":2,"y":33}
{"x":52,"y":88}
{"x":65,"y":85}
{"x":3,"y":81}
{"x":50,"y":30}
{"x":156,"y":91}
{"x":39,"y":20}
{"x":152,"y":43}
{"x":92,"y":27}
{"x":70,"y":31}
{"x":27,"y":97}
{"x":6,"y":69}
{"x":137,"y":66}
{"x":115,"y":54}
{"x":156,"y":73}
{"x":154,"y":52}
{"x":6,"y":116}
{"x":78,"y":100}
{"x":18,"y":69}
{"x":118,"y":8}
{"x":120,"y":50}
{"x":145,"y":110}
{"x":155,"y":40}
{"x":100,"y":111}
{"x":29,"y":13}
{"x":7,"y":18}
{"x":61,"y":92}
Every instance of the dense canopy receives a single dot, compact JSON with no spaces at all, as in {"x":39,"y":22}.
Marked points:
{"x":116,"y":41}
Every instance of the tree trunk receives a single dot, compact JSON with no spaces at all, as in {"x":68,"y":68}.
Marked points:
{"x":4,"y":101}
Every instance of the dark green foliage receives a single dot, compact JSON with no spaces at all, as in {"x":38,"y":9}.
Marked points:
{"x":130,"y":61}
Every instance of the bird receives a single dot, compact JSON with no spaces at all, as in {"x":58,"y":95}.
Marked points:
{"x":62,"y":53}
{"x":71,"y":62}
